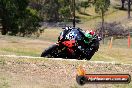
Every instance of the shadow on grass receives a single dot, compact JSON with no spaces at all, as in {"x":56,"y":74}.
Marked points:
{"x":82,"y":13}
{"x":120,"y":8}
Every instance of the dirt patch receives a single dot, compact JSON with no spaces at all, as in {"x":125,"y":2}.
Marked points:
{"x":50,"y":73}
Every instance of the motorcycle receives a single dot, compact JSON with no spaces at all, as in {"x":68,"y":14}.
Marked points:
{"x":71,"y":45}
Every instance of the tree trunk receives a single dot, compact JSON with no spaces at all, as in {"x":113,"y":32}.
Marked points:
{"x":122,"y":2}
{"x":74,"y":24}
{"x":3,"y":31}
{"x":4,"y":28}
{"x":102,"y":16}
{"x":129,"y":7}
{"x":84,"y":10}
{"x":57,"y":11}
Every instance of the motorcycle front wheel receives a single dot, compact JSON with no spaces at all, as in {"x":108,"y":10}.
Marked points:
{"x":50,"y":52}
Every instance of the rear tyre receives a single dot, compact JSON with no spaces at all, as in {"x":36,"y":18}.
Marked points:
{"x":49,"y":52}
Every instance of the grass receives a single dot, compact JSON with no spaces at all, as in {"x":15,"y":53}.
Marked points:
{"x":121,"y":55}
{"x":4,"y":83}
{"x":39,"y":73}
{"x":34,"y":47}
{"x":119,"y":52}
{"x":21,"y":51}
{"x":50,"y":34}
{"x":28,"y":46}
{"x":2,"y":62}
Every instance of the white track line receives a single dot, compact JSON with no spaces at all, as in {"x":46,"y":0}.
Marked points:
{"x":96,"y":62}
{"x":15,"y":56}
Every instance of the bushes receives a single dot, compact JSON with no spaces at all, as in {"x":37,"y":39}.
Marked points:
{"x":17,"y":18}
{"x":112,"y":29}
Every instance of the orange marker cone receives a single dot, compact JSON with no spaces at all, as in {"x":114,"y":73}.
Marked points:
{"x":111,"y":41}
{"x":129,"y":41}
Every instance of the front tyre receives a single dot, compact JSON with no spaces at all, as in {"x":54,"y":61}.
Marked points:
{"x":50,"y":52}
{"x":81,"y":80}
{"x":88,"y":57}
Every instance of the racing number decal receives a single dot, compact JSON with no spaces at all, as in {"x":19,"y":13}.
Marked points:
{"x":71,"y":36}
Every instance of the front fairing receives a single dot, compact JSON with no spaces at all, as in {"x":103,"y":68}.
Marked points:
{"x":73,"y":34}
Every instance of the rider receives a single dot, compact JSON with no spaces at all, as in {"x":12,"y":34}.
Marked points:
{"x":87,"y":42}
{"x":92,"y":40}
{"x":89,"y":36}
{"x":87,"y":39}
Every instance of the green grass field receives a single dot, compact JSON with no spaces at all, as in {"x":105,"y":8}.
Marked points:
{"x":33,"y":47}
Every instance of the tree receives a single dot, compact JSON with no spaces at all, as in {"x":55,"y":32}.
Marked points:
{"x":65,"y":9}
{"x":49,"y":10}
{"x":85,"y":4}
{"x":30,"y":23}
{"x":128,"y":4}
{"x":122,"y":4}
{"x":129,"y":8}
{"x":57,"y":10}
{"x":101,"y":6}
{"x":113,"y":29}
{"x":17,"y":17}
{"x":7,"y":16}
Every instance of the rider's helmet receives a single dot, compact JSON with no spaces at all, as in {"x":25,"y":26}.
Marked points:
{"x":67,"y":28}
{"x":92,"y":32}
